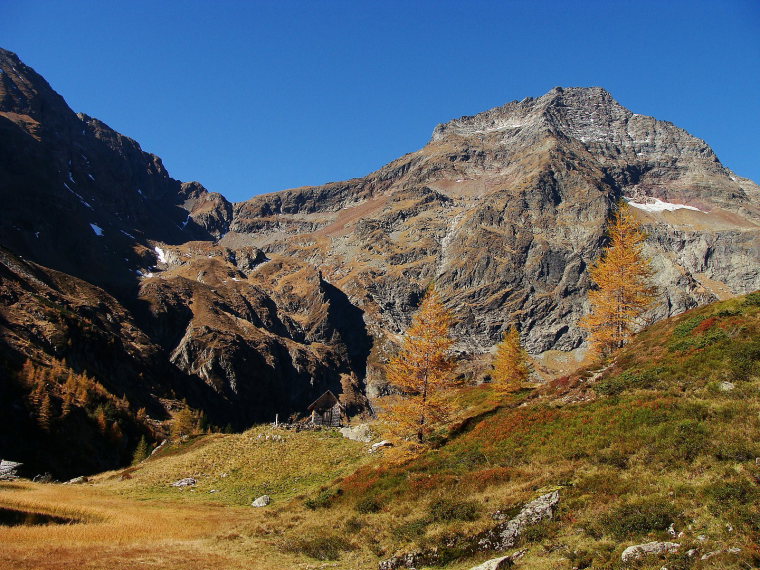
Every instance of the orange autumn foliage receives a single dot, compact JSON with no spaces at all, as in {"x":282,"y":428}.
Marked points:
{"x":421,"y":372}
{"x":623,"y":291}
{"x":511,"y":364}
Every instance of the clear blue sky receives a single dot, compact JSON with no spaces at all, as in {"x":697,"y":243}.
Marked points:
{"x":253,"y":97}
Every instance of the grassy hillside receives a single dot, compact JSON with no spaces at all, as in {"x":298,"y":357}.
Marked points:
{"x":665,"y":437}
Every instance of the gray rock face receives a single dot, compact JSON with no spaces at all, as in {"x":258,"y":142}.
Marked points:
{"x":8,"y":470}
{"x":506,"y":210}
{"x":649,"y":549}
{"x":186,"y":482}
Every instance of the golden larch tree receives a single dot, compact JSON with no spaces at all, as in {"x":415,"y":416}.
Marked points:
{"x":421,"y":371}
{"x":623,"y":291}
{"x":511,"y":364}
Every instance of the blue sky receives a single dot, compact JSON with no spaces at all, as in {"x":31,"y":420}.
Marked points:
{"x":254,"y":97}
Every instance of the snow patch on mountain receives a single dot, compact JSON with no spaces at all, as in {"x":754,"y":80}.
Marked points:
{"x":657,"y":205}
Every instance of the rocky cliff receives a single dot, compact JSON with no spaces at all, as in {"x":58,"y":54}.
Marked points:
{"x":256,"y":308}
{"x":506,"y":210}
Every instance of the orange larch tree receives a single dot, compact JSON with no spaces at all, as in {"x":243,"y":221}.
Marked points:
{"x":511,"y":364}
{"x":421,"y":371}
{"x":623,"y":291}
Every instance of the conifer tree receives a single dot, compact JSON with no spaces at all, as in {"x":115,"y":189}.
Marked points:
{"x":623,"y":291}
{"x":421,"y":371}
{"x":511,"y":364}
{"x":45,"y":413}
{"x":183,"y":423}
{"x":142,"y":451}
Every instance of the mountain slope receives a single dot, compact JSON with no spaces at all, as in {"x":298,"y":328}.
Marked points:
{"x":506,"y":210}
{"x":254,"y":309}
{"x":660,"y":446}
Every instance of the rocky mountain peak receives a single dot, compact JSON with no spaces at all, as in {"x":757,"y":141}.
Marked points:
{"x":589,"y":115}
{"x":547,"y":110}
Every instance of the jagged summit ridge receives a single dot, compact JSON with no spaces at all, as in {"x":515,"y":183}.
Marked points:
{"x":589,"y":115}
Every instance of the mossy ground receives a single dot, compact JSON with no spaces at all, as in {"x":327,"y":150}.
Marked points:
{"x":656,"y":439}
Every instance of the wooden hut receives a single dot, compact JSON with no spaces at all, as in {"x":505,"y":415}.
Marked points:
{"x":327,"y":411}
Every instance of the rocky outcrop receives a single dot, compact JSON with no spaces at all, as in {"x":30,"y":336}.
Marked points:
{"x":9,"y":469}
{"x":637,"y":551}
{"x":499,"y":538}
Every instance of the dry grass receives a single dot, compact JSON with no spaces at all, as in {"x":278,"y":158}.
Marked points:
{"x":143,"y":522}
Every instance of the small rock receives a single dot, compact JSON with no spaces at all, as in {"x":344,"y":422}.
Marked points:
{"x":734,"y":550}
{"x":691,"y":552}
{"x":360,"y":433}
{"x":726,"y":386}
{"x":213,"y":490}
{"x":262,"y":501}
{"x":160,"y":445}
{"x":710,"y":555}
{"x":43,"y":478}
{"x":496,"y":564}
{"x":701,"y":538}
{"x":224,"y":475}
{"x":186,"y":482}
{"x":637,"y":551}
{"x":672,"y":530}
{"x":77,"y":480}
{"x":380,"y":445}
{"x":729,"y":528}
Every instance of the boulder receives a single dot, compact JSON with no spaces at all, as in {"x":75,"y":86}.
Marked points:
{"x":77,"y":480}
{"x":186,"y":482}
{"x":379,"y":445}
{"x":8,"y":470}
{"x":496,"y":564}
{"x":650,"y":548}
{"x":506,"y":534}
{"x":726,"y":386}
{"x":360,"y":432}
{"x":262,"y":501}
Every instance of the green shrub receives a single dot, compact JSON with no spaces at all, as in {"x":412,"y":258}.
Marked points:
{"x":744,"y":360}
{"x":684,"y":329}
{"x":369,"y":504}
{"x":444,"y":510}
{"x":353,"y":525}
{"x":322,"y":500}
{"x":320,"y":547}
{"x":638,"y":518}
{"x":753,"y":299}
{"x":628,"y":380}
{"x":732,"y":492}
{"x":686,"y":440}
{"x":711,"y":336}
{"x":736,"y":450}
{"x":410,"y":531}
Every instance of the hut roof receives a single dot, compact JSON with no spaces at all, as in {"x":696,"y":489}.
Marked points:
{"x":324,"y":402}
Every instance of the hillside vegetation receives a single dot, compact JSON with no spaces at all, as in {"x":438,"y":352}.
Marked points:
{"x":661,"y":444}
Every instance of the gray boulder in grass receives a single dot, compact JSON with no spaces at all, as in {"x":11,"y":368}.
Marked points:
{"x":262,"y":501}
